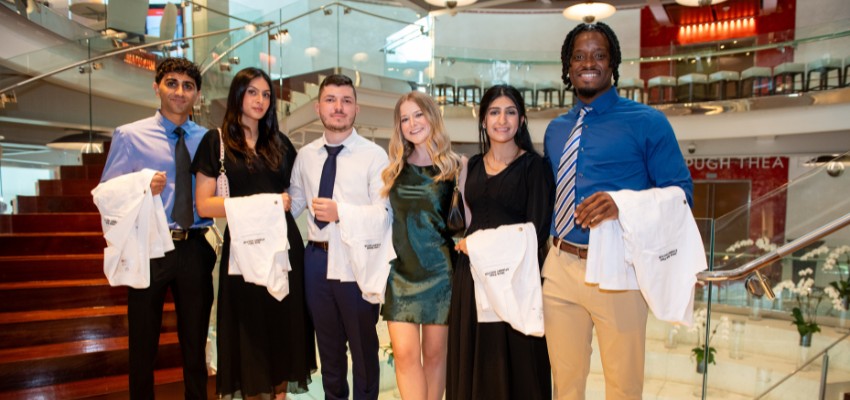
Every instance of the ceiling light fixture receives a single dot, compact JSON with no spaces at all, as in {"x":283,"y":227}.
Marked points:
{"x":589,"y":12}
{"x":450,"y":3}
{"x":699,"y":3}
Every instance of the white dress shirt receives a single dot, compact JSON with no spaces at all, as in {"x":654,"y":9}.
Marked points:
{"x":358,"y":183}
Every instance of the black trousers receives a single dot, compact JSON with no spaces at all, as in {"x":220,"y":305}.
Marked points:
{"x":187,"y":271}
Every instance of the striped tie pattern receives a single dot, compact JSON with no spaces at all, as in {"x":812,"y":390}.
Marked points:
{"x":565,"y":196}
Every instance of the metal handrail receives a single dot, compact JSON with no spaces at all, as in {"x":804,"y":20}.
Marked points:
{"x":214,"y":11}
{"x":775,"y":255}
{"x":269,"y":26}
{"x":115,"y":53}
{"x":800,"y":368}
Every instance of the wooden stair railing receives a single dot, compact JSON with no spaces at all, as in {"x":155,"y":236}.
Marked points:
{"x":63,"y":329}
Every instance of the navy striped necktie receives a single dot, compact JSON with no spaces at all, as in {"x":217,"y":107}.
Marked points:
{"x":566,"y":192}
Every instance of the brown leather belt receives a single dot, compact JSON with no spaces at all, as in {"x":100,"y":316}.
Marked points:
{"x":580,"y":252}
{"x":319,"y":245}
{"x":183,"y":234}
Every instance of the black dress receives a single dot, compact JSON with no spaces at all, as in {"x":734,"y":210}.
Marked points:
{"x":491,"y":360}
{"x":262,"y":343}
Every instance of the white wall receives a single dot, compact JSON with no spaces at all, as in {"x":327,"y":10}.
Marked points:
{"x":536,"y":37}
{"x":822,"y":17}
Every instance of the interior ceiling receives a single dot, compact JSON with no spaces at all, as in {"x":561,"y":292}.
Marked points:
{"x":526,"y":4}
{"x":676,"y":14}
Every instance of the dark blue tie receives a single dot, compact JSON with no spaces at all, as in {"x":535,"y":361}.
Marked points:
{"x":326,"y":184}
{"x":182,"y":213}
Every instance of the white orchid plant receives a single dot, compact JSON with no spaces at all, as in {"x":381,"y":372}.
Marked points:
{"x":762,"y":243}
{"x":808,"y":300}
{"x":700,"y":322}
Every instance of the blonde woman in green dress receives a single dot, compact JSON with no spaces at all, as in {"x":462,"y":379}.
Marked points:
{"x":419,"y":182}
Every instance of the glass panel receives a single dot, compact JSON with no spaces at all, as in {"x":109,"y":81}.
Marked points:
{"x":757,"y":341}
{"x":60,"y":23}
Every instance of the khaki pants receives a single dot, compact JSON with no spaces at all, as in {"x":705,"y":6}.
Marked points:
{"x":571,"y":309}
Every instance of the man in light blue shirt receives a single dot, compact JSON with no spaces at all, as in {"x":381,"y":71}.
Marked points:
{"x":605,"y":143}
{"x":156,"y":143}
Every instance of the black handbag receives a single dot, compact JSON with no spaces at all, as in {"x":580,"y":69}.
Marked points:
{"x":456,"y":220}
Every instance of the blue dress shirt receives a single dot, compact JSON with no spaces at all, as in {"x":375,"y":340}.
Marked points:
{"x":623,"y":145}
{"x":149,"y":143}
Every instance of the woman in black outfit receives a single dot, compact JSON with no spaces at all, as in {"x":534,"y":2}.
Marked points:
{"x":508,"y":183}
{"x":265,"y":347}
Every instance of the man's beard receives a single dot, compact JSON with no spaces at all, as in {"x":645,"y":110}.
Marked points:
{"x":330,"y":125}
{"x":587,"y":92}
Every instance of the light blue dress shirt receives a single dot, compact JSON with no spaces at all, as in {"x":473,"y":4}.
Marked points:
{"x":149,"y":143}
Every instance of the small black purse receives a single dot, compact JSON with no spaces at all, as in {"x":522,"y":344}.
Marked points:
{"x":455,"y":222}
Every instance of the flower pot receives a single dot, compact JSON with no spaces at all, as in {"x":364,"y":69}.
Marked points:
{"x":803,"y":351}
{"x":701,"y":366}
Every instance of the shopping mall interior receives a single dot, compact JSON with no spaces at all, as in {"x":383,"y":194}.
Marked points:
{"x":755,"y":91}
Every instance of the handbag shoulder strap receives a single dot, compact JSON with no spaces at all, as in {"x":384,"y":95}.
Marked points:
{"x":221,"y":169}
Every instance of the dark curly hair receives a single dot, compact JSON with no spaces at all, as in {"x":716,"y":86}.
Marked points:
{"x":180,"y":66}
{"x":613,"y":45}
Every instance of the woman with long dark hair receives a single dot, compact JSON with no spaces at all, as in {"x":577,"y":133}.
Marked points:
{"x":508,"y":183}
{"x":265,"y":346}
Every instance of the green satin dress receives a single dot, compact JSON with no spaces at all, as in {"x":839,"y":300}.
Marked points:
{"x":419,"y":286}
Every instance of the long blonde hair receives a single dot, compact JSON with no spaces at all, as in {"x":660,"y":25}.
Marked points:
{"x":439,"y":145}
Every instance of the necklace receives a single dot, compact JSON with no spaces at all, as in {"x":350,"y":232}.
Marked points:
{"x":494,"y":166}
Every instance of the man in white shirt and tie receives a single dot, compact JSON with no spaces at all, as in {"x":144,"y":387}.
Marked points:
{"x":341,"y":167}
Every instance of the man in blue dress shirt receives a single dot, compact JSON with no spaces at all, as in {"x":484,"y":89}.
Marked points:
{"x":187,"y":270}
{"x":605,"y":143}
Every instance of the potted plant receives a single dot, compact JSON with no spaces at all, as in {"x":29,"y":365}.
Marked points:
{"x":808,"y":299}
{"x":704,"y":353}
{"x":838,"y":290}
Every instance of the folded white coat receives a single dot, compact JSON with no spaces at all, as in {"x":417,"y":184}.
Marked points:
{"x":134,"y":226}
{"x":259,"y":246}
{"x":365,"y":234}
{"x":506,"y":277}
{"x":657,"y":243}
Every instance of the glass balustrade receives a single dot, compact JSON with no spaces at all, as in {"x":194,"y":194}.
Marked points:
{"x":391,"y":49}
{"x":756,"y":340}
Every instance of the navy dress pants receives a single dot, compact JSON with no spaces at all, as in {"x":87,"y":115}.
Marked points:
{"x":341,"y":315}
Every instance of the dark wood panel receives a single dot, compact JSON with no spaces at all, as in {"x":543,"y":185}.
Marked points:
{"x":80,"y":171}
{"x":36,"y":366}
{"x":51,"y":267}
{"x":55,"y":204}
{"x":31,"y":244}
{"x":48,"y":295}
{"x":59,"y":187}
{"x":94,"y":158}
{"x":26,"y":329}
{"x":112,"y":387}
{"x":50,"y":222}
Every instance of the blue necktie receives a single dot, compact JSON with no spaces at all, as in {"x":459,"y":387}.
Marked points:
{"x":326,"y":184}
{"x":182,"y":212}
{"x":566,"y":194}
